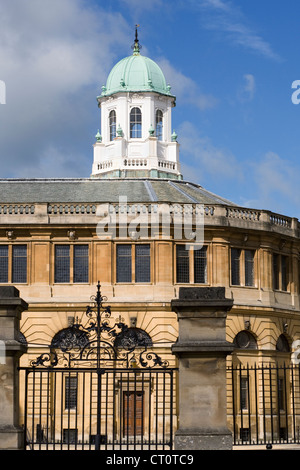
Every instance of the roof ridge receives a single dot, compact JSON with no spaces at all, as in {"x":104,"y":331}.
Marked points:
{"x":202,"y":190}
{"x":151,"y":191}
{"x":183,"y":192}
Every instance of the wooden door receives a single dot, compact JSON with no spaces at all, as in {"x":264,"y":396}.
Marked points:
{"x":133,"y":413}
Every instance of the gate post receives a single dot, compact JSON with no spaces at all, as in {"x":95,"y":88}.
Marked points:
{"x":11,"y":307}
{"x":201,"y":349}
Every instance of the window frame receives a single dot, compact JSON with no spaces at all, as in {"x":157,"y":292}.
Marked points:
{"x":72,"y":263}
{"x":135,"y":133}
{"x":112,"y":125}
{"x":159,"y":124}
{"x":4,"y":269}
{"x":71,"y":392}
{"x":280,"y":278}
{"x":244,"y":392}
{"x":242,"y":267}
{"x":133,"y":266}
{"x":191,"y":264}
{"x":10,"y":263}
{"x":76,"y":269}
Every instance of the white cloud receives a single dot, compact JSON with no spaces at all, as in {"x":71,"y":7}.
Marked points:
{"x":186,"y":89}
{"x":247,"y":90}
{"x":199,"y":156}
{"x":270,"y":184}
{"x":277,"y":183}
{"x":227,"y":18}
{"x":54,"y":62}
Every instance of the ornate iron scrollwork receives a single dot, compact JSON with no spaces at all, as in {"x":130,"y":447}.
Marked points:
{"x":100,"y":342}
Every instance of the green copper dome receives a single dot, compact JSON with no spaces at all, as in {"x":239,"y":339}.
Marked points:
{"x":136,"y":73}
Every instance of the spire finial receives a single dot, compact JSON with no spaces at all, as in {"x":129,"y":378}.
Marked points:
{"x":136,"y":46}
{"x":136,"y":33}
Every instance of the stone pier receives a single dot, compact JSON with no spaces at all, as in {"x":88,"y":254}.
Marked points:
{"x":11,"y":308}
{"x":201,"y":350}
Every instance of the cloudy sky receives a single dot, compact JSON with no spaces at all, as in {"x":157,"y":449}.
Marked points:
{"x":231,"y":65}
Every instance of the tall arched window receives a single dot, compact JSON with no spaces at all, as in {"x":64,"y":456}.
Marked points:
{"x":159,"y":124}
{"x":135,"y":123}
{"x":112,"y":125}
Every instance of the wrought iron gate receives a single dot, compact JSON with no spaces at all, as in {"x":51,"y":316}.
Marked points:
{"x":103,"y":389}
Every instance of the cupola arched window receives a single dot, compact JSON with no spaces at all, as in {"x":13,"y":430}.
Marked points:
{"x":135,"y":123}
{"x":112,"y":125}
{"x":159,"y":124}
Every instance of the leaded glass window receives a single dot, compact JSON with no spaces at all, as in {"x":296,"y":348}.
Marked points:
{"x":249,"y":267}
{"x":281,"y":394}
{"x":244,"y":383}
{"x":280,"y":272}
{"x":3,"y":263}
{"x":19,"y":263}
{"x":200,"y":266}
{"x":159,"y":124}
{"x":81,"y":263}
{"x":124,"y":270}
{"x":62,"y":263}
{"x":142,"y":263}
{"x":135,"y":123}
{"x":245,"y":340}
{"x":70,"y":436}
{"x":70,"y":392}
{"x":112,"y":125}
{"x":235,"y":266}
{"x":182,"y":264}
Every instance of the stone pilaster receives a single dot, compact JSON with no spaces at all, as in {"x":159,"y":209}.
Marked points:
{"x":11,"y":308}
{"x":201,"y":350}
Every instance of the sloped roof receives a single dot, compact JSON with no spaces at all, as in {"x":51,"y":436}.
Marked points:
{"x":93,"y":190}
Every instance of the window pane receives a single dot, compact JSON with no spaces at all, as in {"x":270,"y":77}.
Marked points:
{"x":235,"y":266}
{"x":249,"y":267}
{"x":135,"y":123}
{"x":244,"y":393}
{"x":81,"y":263}
{"x":19,"y":263}
{"x":281,"y":388}
{"x":182,"y":264}
{"x":159,"y":124}
{"x":70,"y":393}
{"x":62,"y":263}
{"x":275,"y":271}
{"x":3,"y":263}
{"x":124,"y":263}
{"x":112,"y":125}
{"x":70,"y":436}
{"x":200,"y":266}
{"x":142,"y":263}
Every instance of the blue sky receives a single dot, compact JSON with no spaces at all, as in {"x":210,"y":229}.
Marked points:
{"x":231,"y":65}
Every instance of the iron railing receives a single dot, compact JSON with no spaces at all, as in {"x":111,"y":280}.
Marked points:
{"x":109,"y":409}
{"x":263,"y":404}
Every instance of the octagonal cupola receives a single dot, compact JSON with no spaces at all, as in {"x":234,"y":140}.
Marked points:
{"x":136,"y":138}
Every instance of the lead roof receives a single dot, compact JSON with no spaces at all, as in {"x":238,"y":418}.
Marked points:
{"x":93,"y":190}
